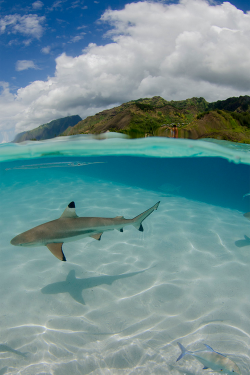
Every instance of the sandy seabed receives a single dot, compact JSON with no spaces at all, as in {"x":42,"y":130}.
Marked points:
{"x":119,"y":305}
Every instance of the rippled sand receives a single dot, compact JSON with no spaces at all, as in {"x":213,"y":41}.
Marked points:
{"x":119,"y":305}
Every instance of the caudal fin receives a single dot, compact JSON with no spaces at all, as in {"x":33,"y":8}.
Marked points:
{"x":139,"y":219}
{"x":184,"y":351}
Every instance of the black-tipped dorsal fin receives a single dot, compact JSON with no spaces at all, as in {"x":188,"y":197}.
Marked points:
{"x":56,"y":249}
{"x":69,"y":211}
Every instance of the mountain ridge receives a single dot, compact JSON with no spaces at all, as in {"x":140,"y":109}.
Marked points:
{"x":195,"y":118}
{"x":48,"y":130}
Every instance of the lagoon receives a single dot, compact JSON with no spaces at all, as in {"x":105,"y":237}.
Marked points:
{"x":120,"y":305}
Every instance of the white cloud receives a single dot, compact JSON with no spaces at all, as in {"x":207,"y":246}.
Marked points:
{"x":46,"y":50}
{"x":57,"y":5}
{"x":28,"y":25}
{"x":37,"y":4}
{"x":77,"y":38}
{"x":7,"y":101}
{"x":177,"y":51}
{"x":25,"y":64}
{"x":81,"y":27}
{"x":75,"y":4}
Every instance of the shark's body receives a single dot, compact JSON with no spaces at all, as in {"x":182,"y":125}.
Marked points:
{"x":69,"y":227}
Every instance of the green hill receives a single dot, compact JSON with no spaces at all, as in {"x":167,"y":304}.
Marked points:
{"x":139,"y":117}
{"x":219,"y":124}
{"x":195,"y":118}
{"x":47,"y":131}
{"x":241,"y":104}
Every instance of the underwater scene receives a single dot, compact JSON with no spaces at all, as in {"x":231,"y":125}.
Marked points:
{"x":124,"y":256}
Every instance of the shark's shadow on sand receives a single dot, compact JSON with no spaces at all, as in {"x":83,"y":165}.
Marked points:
{"x":75,"y":286}
{"x":242,"y":243}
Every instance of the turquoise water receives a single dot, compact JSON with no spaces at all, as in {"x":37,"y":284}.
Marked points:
{"x":120,"y":305}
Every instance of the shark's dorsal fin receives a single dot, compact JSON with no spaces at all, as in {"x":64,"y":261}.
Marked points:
{"x":56,"y":249}
{"x":96,"y":236}
{"x":69,"y":211}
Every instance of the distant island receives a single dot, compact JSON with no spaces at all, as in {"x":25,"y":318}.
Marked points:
{"x":194,"y":118}
{"x":49,"y":130}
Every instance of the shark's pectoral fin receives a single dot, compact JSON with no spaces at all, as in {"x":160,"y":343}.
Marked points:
{"x":56,"y":249}
{"x":97,"y":236}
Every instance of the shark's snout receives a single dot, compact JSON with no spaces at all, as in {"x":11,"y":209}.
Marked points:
{"x":25,"y":239}
{"x":16,"y":241}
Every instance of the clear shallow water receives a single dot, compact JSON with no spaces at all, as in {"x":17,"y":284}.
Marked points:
{"x":119,"y":305}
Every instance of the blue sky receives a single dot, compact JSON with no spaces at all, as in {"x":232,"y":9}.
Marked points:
{"x":78,"y":57}
{"x":57,"y":27}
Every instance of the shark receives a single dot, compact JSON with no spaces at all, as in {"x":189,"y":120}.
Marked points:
{"x":70,"y":227}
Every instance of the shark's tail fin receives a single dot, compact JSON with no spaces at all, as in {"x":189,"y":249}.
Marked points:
{"x":139,"y":219}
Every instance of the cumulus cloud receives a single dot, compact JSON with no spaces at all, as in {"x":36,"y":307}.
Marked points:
{"x":24,"y":65}
{"x":28,"y":25}
{"x":37,"y":5}
{"x":46,"y":50}
{"x":193,"y":48}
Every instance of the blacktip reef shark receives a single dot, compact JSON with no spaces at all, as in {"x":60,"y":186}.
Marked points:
{"x":70,"y":227}
{"x":212,"y":360}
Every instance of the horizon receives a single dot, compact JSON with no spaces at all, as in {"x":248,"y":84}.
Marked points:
{"x":81,"y":57}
